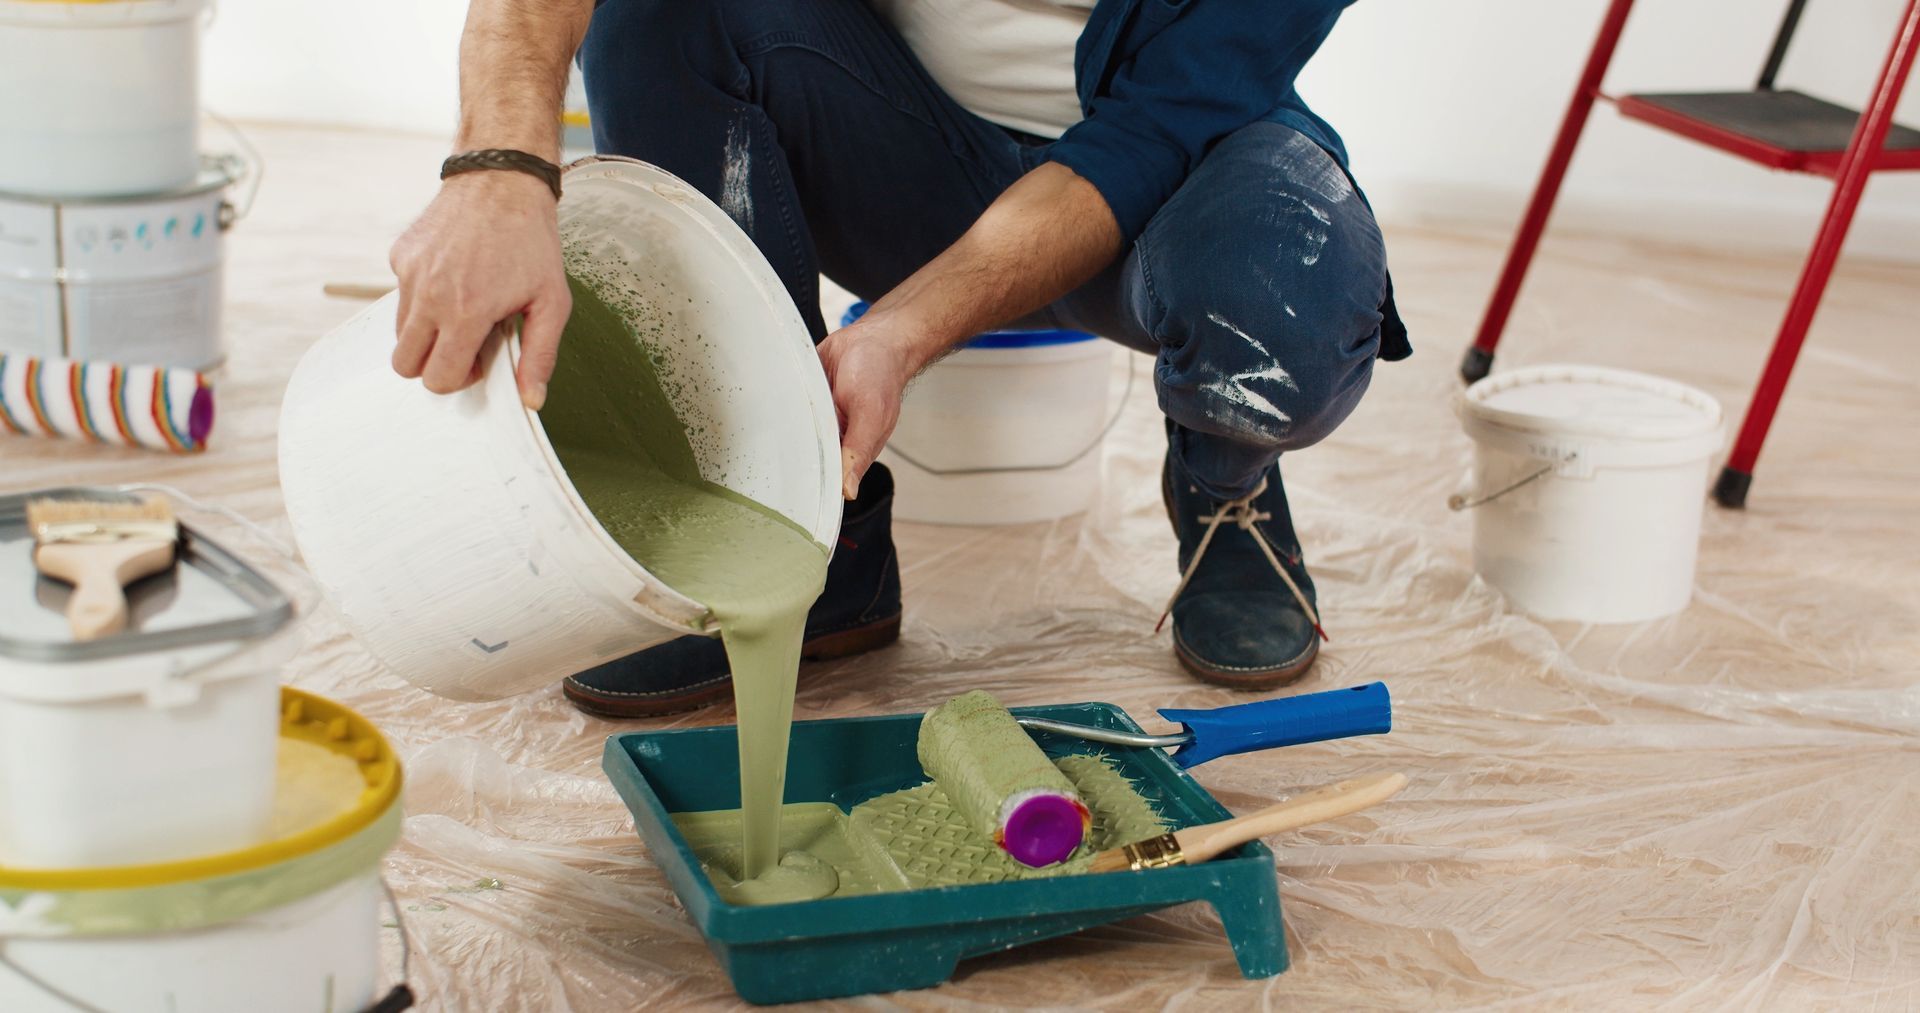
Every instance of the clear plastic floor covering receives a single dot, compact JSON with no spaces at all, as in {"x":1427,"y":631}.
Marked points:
{"x":1717,"y":810}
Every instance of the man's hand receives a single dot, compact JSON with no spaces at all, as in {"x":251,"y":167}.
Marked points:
{"x":487,"y":248}
{"x":1041,"y":239}
{"x":868,"y":366}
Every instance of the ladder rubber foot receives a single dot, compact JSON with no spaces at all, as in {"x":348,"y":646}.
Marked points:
{"x":1731,"y":490}
{"x":1476,"y":364}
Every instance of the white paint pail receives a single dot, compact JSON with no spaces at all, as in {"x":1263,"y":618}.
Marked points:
{"x":103,"y":96}
{"x":292,"y":923}
{"x":1006,"y":430}
{"x":133,"y":280}
{"x":1588,"y":487}
{"x":150,"y":745}
{"x":443,"y":528}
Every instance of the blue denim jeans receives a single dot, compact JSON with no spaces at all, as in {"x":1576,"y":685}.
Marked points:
{"x":1257,"y":287}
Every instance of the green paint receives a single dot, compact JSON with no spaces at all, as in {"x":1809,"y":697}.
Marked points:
{"x":913,"y":839}
{"x":981,"y":758}
{"x":627,"y":453}
{"x":822,"y":856}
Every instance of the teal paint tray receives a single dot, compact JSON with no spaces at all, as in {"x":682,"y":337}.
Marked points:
{"x":843,"y":946}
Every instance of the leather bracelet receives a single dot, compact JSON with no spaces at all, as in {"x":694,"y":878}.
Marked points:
{"x":504,"y":158}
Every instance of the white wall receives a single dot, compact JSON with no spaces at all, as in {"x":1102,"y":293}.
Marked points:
{"x":1448,"y":105}
{"x":387,"y":64}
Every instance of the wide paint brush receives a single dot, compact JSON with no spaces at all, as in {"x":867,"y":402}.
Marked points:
{"x":100,"y":546}
{"x":1198,"y":844}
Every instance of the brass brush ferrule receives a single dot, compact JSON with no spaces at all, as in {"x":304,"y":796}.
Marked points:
{"x":1162,"y":852}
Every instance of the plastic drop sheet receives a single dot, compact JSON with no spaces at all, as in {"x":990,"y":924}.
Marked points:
{"x":1720,"y":810}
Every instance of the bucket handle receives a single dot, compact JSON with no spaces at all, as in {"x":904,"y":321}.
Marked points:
{"x":59,"y":994}
{"x":248,"y":166}
{"x":1125,"y":394}
{"x":400,"y":997}
{"x":1461,"y":501}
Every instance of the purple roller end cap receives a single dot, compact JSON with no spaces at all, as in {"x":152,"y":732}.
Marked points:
{"x":200,"y":416}
{"x":1044,"y":830}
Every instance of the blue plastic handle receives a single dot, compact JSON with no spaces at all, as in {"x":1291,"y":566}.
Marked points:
{"x":1288,"y":721}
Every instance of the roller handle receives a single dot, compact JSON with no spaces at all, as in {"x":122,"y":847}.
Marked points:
{"x":1287,"y":721}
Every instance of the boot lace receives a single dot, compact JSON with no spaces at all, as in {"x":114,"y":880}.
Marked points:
{"x":1243,"y":514}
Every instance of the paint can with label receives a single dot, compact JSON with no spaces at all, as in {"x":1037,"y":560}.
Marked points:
{"x":132,"y":280}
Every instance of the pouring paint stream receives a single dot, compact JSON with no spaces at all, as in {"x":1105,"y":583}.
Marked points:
{"x":757,"y":572}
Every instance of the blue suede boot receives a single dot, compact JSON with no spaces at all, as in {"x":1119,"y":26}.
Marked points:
{"x":1244,"y":614}
{"x":858,"y":612}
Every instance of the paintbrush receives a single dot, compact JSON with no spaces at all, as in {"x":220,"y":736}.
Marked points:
{"x":100,"y":546}
{"x":1198,"y":844}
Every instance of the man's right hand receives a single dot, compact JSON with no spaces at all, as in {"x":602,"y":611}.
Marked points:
{"x":487,"y":248}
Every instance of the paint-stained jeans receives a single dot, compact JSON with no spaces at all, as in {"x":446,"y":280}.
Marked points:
{"x":1257,"y":287}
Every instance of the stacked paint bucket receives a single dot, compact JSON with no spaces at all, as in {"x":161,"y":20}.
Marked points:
{"x":177,"y":830}
{"x":112,"y":223}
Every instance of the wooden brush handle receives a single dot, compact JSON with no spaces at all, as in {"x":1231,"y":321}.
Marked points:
{"x":1198,"y":844}
{"x":99,"y":573}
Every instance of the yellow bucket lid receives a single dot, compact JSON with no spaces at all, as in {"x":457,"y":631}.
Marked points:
{"x":319,"y":739}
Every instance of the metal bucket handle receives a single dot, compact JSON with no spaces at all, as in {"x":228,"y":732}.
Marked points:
{"x":247,"y":166}
{"x":1468,"y":500}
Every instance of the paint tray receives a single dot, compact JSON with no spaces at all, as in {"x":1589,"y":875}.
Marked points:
{"x":842,"y":946}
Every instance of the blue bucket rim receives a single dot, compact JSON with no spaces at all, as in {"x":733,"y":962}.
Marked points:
{"x":997,"y":339}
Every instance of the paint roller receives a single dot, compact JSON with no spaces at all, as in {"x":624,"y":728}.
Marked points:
{"x":997,"y":777}
{"x":103,"y":402}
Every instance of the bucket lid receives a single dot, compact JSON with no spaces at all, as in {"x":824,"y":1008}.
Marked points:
{"x":209,"y":597}
{"x":335,"y":816}
{"x":1593,"y":401}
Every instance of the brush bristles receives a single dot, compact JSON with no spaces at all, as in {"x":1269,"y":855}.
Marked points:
{"x":96,"y":520}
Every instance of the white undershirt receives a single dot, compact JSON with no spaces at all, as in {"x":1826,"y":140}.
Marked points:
{"x":1008,"y":61}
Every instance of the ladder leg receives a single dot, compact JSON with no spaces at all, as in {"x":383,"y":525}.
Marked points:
{"x":1479,"y":358}
{"x":1863,"y":153}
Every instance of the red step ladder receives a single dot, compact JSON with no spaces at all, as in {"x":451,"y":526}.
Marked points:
{"x":1784,"y":130}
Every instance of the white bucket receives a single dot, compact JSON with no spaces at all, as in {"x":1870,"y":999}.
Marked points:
{"x":293,"y":923}
{"x":321,"y":953}
{"x":131,"y":280}
{"x":444,"y":529}
{"x":147,"y":746}
{"x":102,"y":96}
{"x":1588,"y":487}
{"x":1006,"y":430}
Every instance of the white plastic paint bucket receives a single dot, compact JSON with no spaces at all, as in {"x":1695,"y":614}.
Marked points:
{"x":1006,"y":430}
{"x":150,"y":745}
{"x":102,"y":96}
{"x":292,"y":923}
{"x":443,"y":528}
{"x":1588,"y":487}
{"x":133,"y":280}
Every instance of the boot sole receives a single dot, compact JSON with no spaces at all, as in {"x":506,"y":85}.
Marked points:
{"x":1242,"y":679}
{"x":825,"y":647}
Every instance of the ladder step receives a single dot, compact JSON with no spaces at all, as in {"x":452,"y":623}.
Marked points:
{"x":1787,"y":130}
